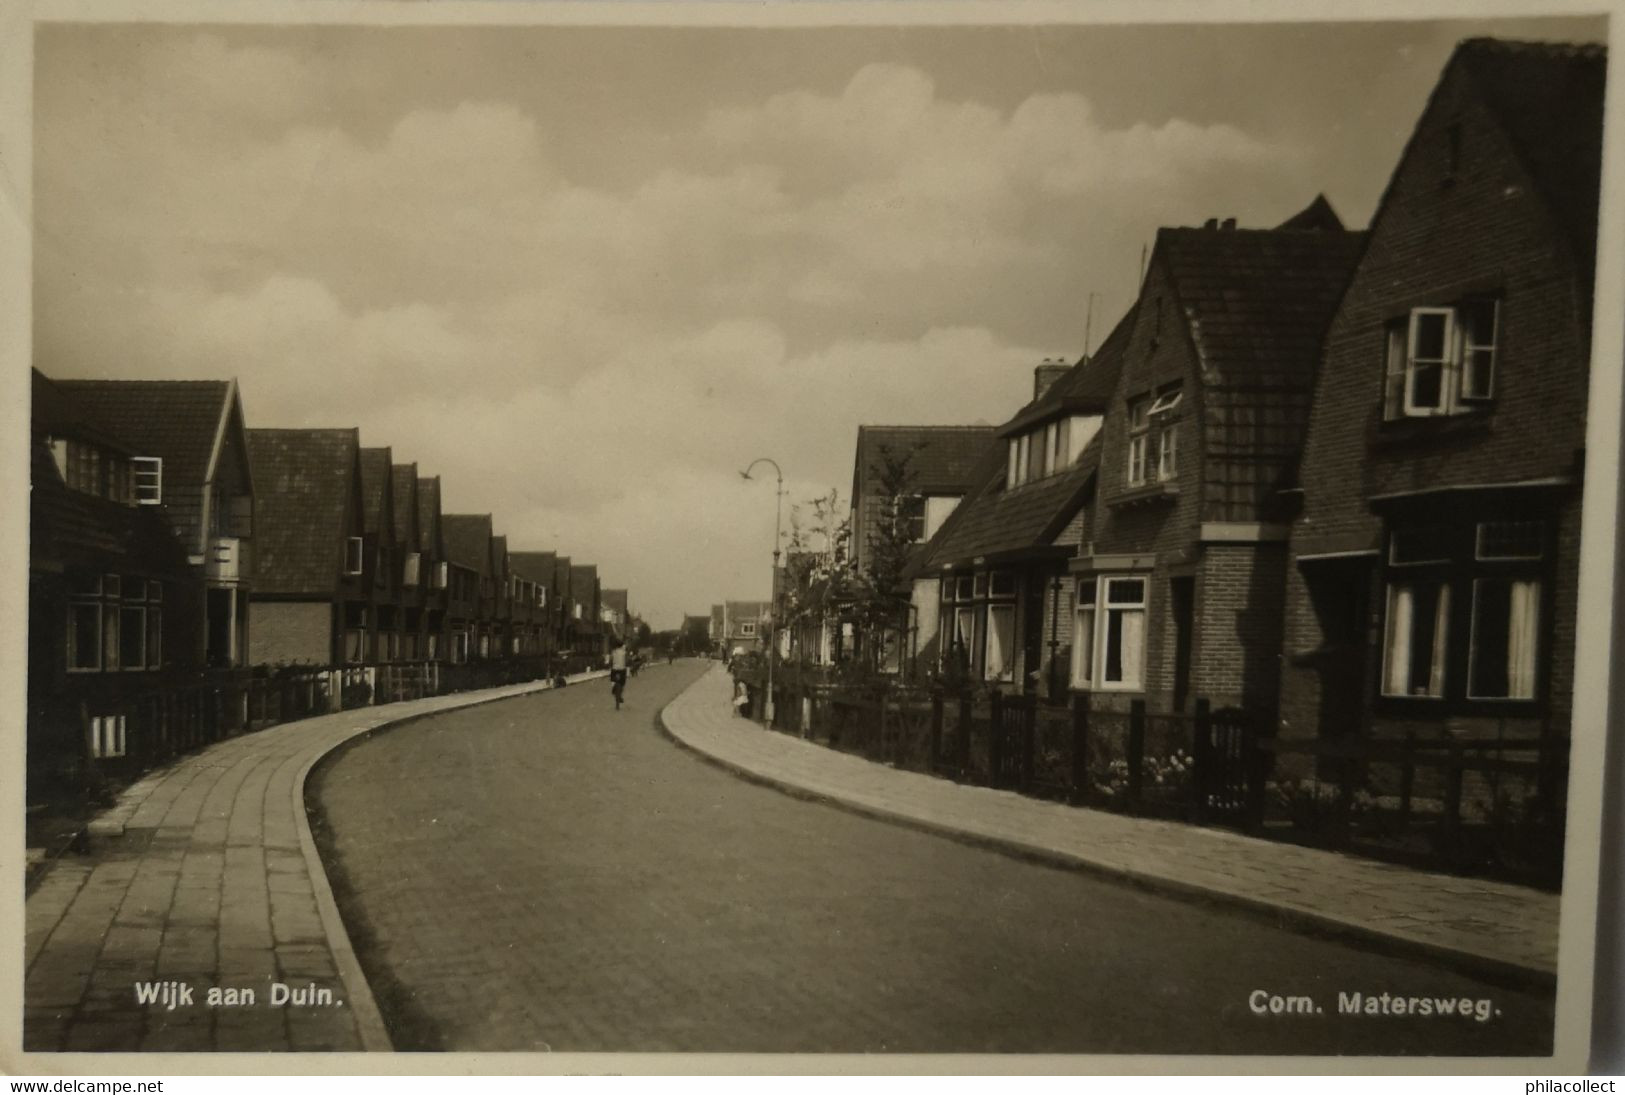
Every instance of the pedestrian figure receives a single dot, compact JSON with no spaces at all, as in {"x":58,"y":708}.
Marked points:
{"x":617,"y":672}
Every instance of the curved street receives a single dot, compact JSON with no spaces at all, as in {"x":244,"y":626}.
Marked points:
{"x":547,"y":872}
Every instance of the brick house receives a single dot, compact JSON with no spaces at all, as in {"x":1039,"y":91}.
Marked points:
{"x":993,"y":599}
{"x":191,"y":463}
{"x":1433,"y":565}
{"x":383,"y":554}
{"x":1179,"y":578}
{"x":539,"y":570}
{"x":435,"y":572}
{"x":589,"y":637}
{"x":743,"y":625}
{"x":115,"y":605}
{"x":614,"y":613}
{"x":312,"y":594}
{"x":415,"y":581}
{"x":940,"y":462}
{"x":474,"y":589}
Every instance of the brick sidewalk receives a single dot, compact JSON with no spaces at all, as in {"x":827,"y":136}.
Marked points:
{"x":205,"y":873}
{"x":1511,"y":930}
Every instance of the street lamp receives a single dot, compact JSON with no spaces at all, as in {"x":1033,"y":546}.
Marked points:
{"x":773,"y":587}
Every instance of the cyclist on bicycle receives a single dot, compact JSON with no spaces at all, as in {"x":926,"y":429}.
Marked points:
{"x":617,"y":671}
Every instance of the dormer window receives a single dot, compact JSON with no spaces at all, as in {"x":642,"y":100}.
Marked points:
{"x":1441,"y":360}
{"x":353,"y":549}
{"x":149,"y":480}
{"x":1046,"y":450}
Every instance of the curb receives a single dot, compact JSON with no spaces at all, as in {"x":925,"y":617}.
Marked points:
{"x":1496,"y":970}
{"x":369,"y":1020}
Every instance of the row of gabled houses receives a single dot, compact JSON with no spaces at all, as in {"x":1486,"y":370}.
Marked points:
{"x":170,"y":543}
{"x":1333,"y":475}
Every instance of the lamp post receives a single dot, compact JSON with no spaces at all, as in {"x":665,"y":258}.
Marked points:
{"x":773,"y":587}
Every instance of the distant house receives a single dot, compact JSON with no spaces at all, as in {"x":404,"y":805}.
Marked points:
{"x":312,"y":593}
{"x":1433,"y":579}
{"x":745,"y":625}
{"x":434,"y":571}
{"x":614,"y":613}
{"x":468,"y":547}
{"x":584,"y":604}
{"x":190,"y":461}
{"x":115,"y":603}
{"x":383,"y":555}
{"x":1180,"y":574}
{"x":935,"y":465}
{"x":535,"y":570}
{"x":993,"y":597}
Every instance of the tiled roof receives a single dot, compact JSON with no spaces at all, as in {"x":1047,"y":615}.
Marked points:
{"x":1549,"y":98}
{"x":1086,"y":388}
{"x":56,"y":412}
{"x":429,"y":513}
{"x":582,"y":578}
{"x":534,"y":566}
{"x":561,"y":573}
{"x":1257,"y":301}
{"x":468,"y":540}
{"x":614,"y":598}
{"x":174,"y":419}
{"x":303,"y":490}
{"x":404,"y":483}
{"x":499,"y":555}
{"x":941,"y":458}
{"x":375,"y":485}
{"x":994,"y":520}
{"x":997,"y":521}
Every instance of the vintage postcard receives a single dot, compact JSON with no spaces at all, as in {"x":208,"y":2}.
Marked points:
{"x":808,"y":530}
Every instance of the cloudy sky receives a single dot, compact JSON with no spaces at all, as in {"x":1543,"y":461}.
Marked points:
{"x":586,"y":274}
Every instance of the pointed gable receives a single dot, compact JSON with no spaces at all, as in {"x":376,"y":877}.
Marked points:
{"x":403,"y":480}
{"x":307,"y":501}
{"x":468,"y":540}
{"x":428,"y":513}
{"x":183,"y":422}
{"x":376,"y":489}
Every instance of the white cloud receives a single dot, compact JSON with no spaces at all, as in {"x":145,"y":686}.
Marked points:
{"x":591,"y":363}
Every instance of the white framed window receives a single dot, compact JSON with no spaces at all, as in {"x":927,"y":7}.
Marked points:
{"x":353,"y":555}
{"x":1168,"y":452}
{"x":442,"y":574}
{"x":1121,"y":643}
{"x":410,"y":567}
{"x":1139,"y":428}
{"x":1416,"y":638}
{"x":1167,"y":401}
{"x":107,"y":736}
{"x":747,"y":629}
{"x":149,"y":480}
{"x":1108,"y":641}
{"x":1441,"y":359}
{"x":965,"y":630}
{"x":1012,"y":474}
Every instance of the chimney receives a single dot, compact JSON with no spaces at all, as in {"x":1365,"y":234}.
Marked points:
{"x":1211,"y":223}
{"x":1045,"y":376}
{"x":1229,"y":224}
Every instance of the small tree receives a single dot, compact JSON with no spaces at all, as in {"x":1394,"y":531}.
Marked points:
{"x":878,"y":600}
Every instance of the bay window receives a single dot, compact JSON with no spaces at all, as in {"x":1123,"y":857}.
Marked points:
{"x":1109,"y":631}
{"x":1463,"y":606}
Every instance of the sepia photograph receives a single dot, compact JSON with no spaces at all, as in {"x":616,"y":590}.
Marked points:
{"x":980,"y":530}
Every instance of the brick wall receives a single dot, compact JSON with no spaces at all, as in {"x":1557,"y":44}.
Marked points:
{"x":1438,"y":237}
{"x":1235,"y":658}
{"x":291,"y":631}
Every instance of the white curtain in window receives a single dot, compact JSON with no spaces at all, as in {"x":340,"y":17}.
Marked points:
{"x":1521,"y":640}
{"x":1396,"y":672}
{"x":1001,"y":639}
{"x":1083,"y":646}
{"x":1133,"y":639}
{"x":1441,"y":628}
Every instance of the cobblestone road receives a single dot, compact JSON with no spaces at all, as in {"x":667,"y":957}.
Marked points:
{"x":549,"y":872}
